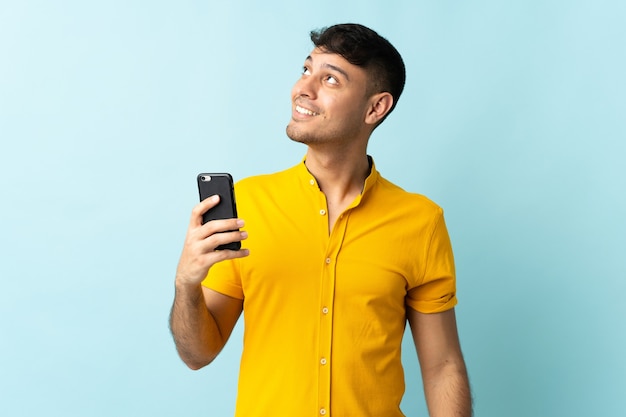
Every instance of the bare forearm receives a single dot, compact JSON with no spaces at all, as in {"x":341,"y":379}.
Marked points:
{"x":195,"y":331}
{"x":448,"y":392}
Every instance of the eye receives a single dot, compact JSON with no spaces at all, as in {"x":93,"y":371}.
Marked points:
{"x":305,"y":71}
{"x":331,"y":80}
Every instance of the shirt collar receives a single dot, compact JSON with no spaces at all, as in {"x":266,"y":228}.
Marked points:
{"x":372,"y":178}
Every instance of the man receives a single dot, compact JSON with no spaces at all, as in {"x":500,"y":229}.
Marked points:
{"x":337,"y":260}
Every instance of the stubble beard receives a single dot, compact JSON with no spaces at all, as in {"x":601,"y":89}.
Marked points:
{"x":309,"y":136}
{"x":297,"y":135}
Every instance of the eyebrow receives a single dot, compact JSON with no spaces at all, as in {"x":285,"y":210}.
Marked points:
{"x":330,"y":66}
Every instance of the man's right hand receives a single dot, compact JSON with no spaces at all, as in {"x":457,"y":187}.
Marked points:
{"x":199,"y":253}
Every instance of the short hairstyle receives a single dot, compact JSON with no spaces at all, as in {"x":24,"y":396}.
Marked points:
{"x":363,"y":47}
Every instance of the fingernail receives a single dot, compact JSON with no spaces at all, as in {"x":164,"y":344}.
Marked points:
{"x":240,"y":223}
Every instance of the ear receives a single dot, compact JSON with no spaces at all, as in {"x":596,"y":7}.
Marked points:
{"x":380,"y":105}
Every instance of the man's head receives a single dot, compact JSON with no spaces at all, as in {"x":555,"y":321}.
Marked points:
{"x":350,"y":83}
{"x":365,"y":48}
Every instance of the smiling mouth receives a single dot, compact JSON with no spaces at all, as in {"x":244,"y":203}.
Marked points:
{"x":306,"y":112}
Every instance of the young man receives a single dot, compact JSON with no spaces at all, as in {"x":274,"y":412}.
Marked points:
{"x":338,"y":259}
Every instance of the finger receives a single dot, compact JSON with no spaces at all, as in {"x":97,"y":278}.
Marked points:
{"x":199,"y":259}
{"x":201,"y":208}
{"x":218,"y":226}
{"x":222,"y":238}
{"x":222,"y":255}
{"x":199,"y":254}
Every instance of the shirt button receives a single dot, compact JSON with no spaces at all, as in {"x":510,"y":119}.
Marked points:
{"x":323,"y":411}
{"x":327,"y":260}
{"x":323,"y":361}
{"x":325,"y":310}
{"x":312,"y":182}
{"x":322,"y":212}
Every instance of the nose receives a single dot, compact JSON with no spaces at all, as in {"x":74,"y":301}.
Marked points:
{"x":304,"y":87}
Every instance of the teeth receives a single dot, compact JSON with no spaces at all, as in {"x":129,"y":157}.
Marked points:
{"x":308,"y":112}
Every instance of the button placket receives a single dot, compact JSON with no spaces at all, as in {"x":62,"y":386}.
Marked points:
{"x":325,"y":340}
{"x":327,"y":281}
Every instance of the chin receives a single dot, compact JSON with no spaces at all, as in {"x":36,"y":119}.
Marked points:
{"x":297,"y":136}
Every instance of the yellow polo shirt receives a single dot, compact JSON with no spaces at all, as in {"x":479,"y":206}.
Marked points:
{"x":324,"y":315}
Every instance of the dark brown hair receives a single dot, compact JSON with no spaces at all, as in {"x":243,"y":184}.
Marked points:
{"x":365,"y":48}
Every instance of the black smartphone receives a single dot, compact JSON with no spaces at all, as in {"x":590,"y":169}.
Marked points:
{"x":222,"y":185}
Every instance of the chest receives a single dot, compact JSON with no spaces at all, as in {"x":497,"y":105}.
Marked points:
{"x":364,"y":259}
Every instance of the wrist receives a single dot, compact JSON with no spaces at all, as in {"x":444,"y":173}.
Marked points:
{"x":184,"y":284}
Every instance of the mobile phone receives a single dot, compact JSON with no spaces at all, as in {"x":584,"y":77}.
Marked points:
{"x":221,"y":184}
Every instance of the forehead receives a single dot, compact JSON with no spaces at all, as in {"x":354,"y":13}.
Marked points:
{"x":329,"y":60}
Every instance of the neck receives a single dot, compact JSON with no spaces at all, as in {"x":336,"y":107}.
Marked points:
{"x":341,"y":179}
{"x":340,"y":175}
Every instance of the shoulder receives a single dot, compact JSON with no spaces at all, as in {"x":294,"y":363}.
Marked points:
{"x":387,"y":193}
{"x":271,"y":181}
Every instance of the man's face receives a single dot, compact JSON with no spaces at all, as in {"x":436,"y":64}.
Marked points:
{"x":329,"y":102}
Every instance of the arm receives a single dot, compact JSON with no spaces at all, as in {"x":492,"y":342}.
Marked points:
{"x":201,"y":320}
{"x":444,"y":375}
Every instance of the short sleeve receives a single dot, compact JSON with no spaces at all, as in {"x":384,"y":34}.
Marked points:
{"x":436,"y":291}
{"x":224,"y":278}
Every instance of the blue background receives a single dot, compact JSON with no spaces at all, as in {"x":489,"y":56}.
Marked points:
{"x":512,"y":120}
